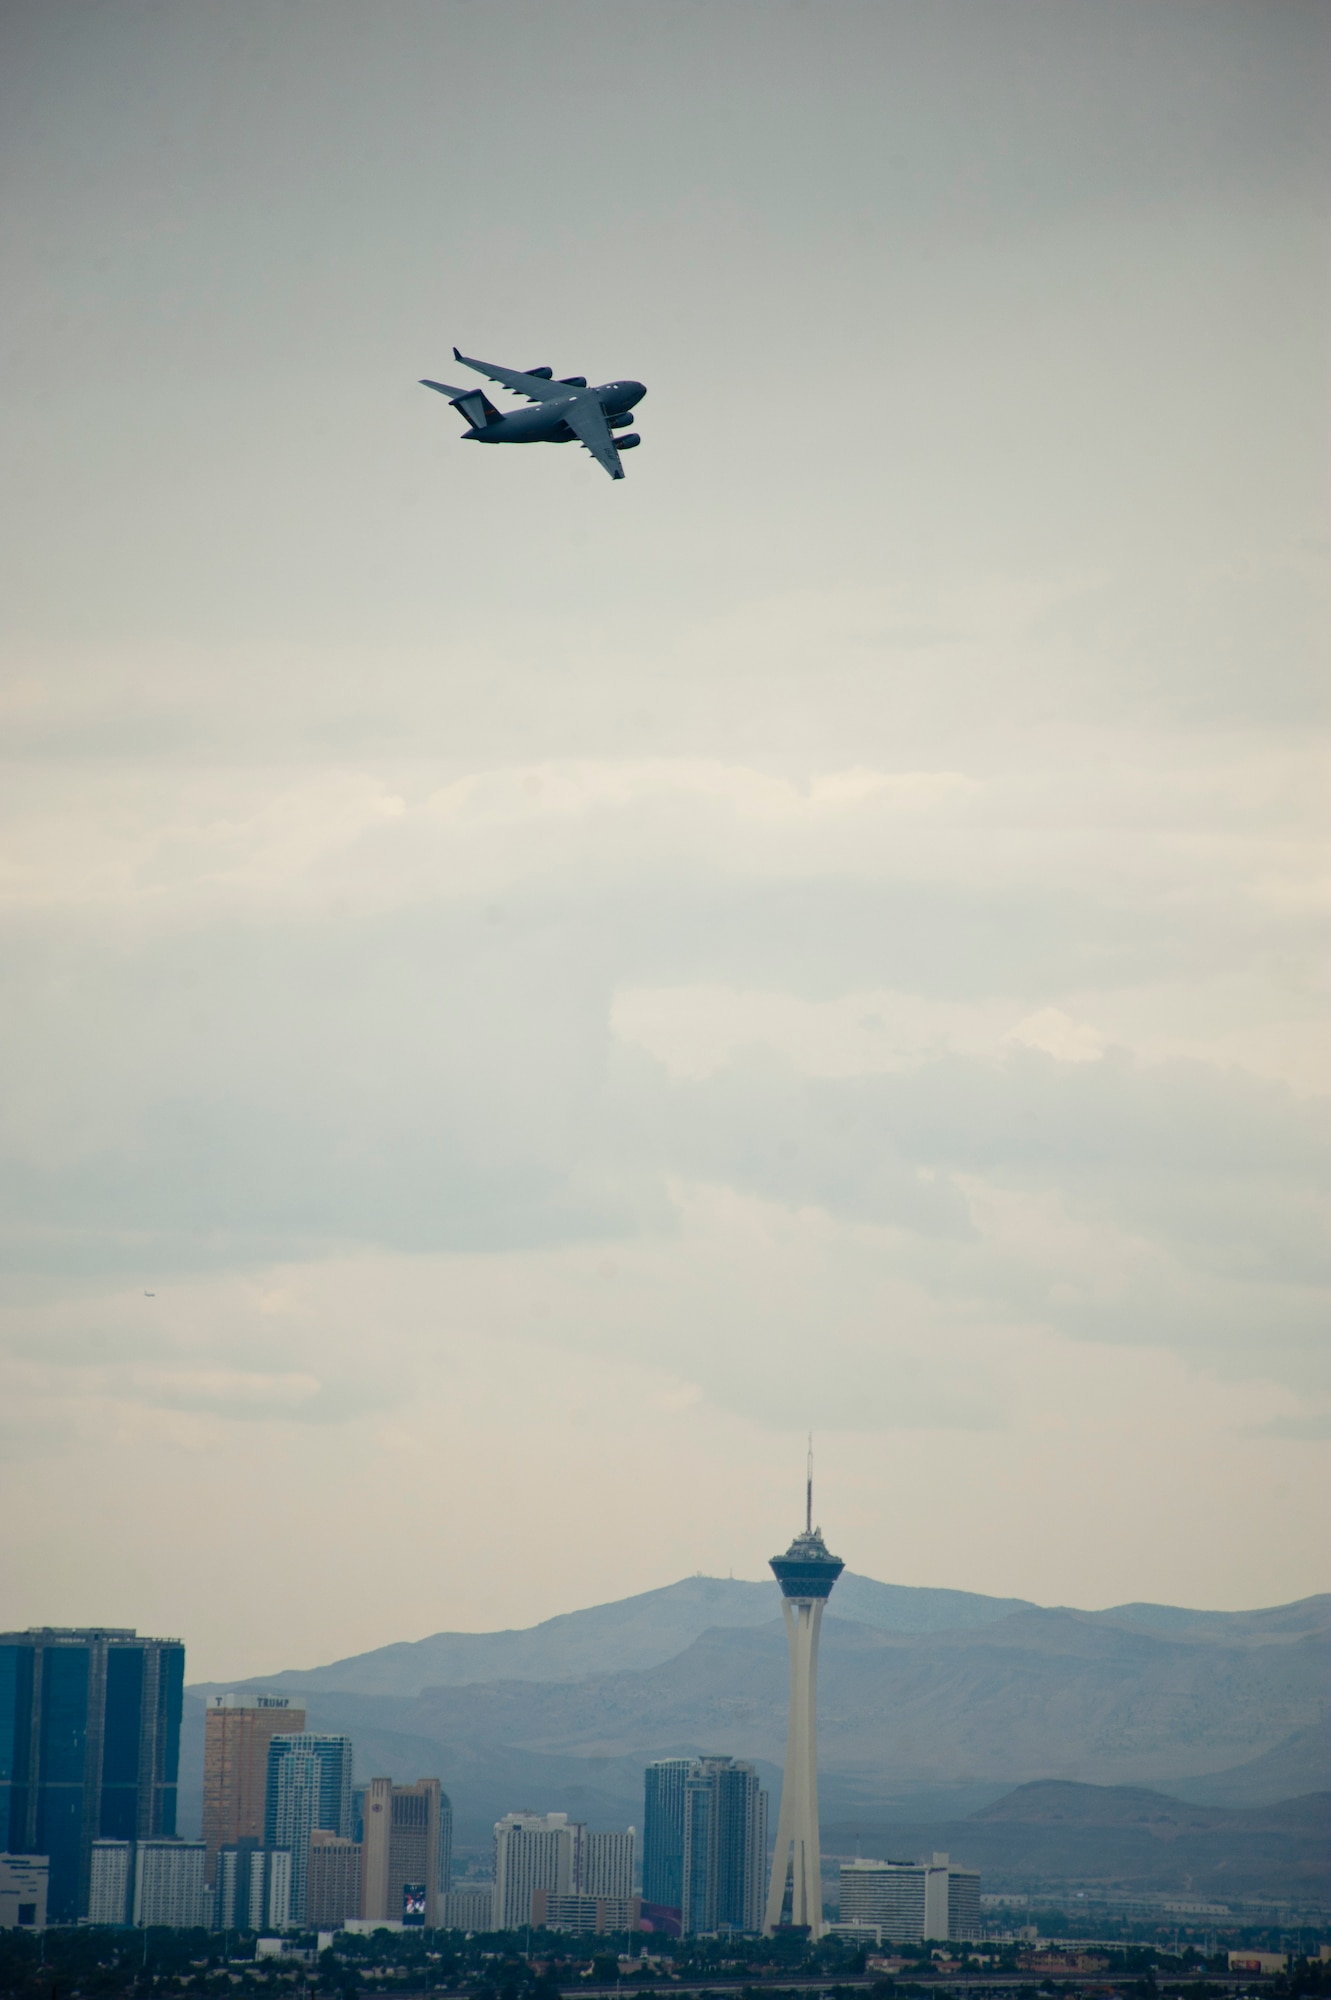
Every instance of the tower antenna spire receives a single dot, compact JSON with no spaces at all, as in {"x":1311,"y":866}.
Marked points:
{"x":808,"y":1489}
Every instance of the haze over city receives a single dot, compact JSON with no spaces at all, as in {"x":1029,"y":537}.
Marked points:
{"x":523,"y":995}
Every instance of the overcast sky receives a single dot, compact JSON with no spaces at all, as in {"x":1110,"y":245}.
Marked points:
{"x":555,"y":986}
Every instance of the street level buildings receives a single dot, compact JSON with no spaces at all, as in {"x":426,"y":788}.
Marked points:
{"x":89,"y":1747}
{"x":725,"y":1847}
{"x":237,"y":1731}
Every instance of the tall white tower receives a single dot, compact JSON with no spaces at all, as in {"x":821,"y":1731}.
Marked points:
{"x":806,"y":1573}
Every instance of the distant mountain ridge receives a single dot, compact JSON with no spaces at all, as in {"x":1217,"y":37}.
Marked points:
{"x":654,"y":1626}
{"x":640,"y":1631}
{"x":933,"y":1704}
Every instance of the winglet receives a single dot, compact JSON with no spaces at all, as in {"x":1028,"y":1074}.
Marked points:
{"x":457,"y":354}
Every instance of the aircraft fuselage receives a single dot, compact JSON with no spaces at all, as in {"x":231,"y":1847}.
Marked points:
{"x":544,"y":422}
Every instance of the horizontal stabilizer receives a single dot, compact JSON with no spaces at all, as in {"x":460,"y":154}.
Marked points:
{"x":474,"y":404}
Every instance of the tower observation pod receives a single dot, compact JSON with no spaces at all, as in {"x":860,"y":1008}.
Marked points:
{"x":806,"y":1573}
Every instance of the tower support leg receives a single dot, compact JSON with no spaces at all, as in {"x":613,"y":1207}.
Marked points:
{"x":798,"y":1859}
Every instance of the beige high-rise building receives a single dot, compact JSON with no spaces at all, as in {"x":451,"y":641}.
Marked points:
{"x":400,"y":1847}
{"x":334,"y":1889}
{"x":534,"y":1851}
{"x":236,"y":1735}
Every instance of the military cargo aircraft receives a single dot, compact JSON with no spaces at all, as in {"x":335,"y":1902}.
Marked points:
{"x":565,"y":409}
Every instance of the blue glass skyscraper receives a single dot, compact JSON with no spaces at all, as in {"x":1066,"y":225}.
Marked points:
{"x":663,"y":1832}
{"x":89,"y":1747}
{"x":725,"y":1846}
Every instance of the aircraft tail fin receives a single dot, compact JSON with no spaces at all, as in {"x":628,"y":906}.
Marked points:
{"x":474,"y":404}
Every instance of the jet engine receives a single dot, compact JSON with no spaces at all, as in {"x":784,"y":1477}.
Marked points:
{"x":627,"y":443}
{"x":544,"y":373}
{"x":618,"y":421}
{"x":574,"y":381}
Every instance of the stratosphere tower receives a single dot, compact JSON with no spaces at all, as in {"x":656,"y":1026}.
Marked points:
{"x":806,"y":1573}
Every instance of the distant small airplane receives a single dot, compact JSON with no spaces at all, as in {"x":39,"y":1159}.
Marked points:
{"x":150,"y":1295}
{"x":565,"y":409}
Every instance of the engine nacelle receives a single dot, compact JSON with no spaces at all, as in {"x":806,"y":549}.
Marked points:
{"x":621,"y":420}
{"x":627,"y":443}
{"x":544,"y":373}
{"x":573,"y":381}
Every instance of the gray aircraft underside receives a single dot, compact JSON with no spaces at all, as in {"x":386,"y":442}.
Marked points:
{"x":565,"y":411}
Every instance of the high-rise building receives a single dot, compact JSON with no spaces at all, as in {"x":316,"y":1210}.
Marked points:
{"x":89,"y":1747}
{"x":308,"y":1790}
{"x":445,"y":1843}
{"x":237,"y":1730}
{"x":663,"y":1832}
{"x":608,"y":1864}
{"x":111,"y":1882}
{"x":24,"y":1879}
{"x":279,"y":1889}
{"x":400,"y":1863}
{"x":909,"y":1901}
{"x":168,"y":1884}
{"x":806,"y":1573}
{"x":252,"y":1888}
{"x":725,"y":1847}
{"x":963,"y":1902}
{"x":333,"y":1892}
{"x":533,"y":1851}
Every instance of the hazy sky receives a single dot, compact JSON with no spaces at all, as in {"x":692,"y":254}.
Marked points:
{"x":558,"y":986}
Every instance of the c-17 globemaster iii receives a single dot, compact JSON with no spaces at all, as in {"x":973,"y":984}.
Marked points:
{"x":565,"y":409}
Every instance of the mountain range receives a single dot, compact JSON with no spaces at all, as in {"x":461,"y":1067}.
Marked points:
{"x":933,"y":1705}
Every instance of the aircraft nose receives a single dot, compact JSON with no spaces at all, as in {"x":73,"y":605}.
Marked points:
{"x":639,"y":390}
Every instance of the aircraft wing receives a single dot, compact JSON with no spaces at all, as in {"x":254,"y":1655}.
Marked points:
{"x":587,"y":419}
{"x":537,"y":388}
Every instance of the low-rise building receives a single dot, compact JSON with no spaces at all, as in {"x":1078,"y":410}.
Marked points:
{"x":586,"y":1915}
{"x":1264,"y":1963}
{"x":469,"y":1909}
{"x":24,"y":1882}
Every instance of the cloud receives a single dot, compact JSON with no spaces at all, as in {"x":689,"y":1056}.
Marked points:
{"x":1313,"y":1426}
{"x":556,"y":986}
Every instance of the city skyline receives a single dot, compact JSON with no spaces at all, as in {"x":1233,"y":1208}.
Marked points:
{"x":550,"y":1869}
